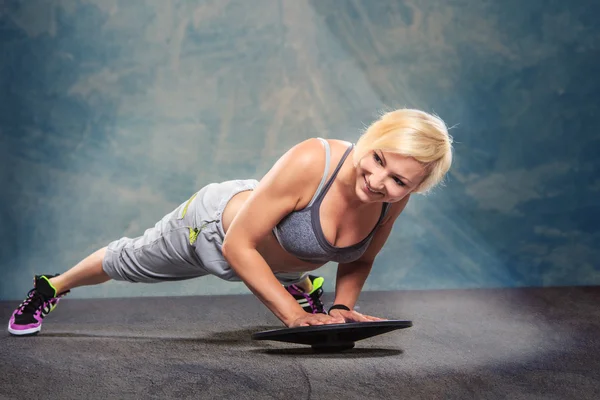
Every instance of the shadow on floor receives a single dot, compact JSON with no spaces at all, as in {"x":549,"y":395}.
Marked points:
{"x":310,"y":353}
{"x":240,"y":337}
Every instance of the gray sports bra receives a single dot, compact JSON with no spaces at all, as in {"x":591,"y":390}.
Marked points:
{"x":300,"y":233}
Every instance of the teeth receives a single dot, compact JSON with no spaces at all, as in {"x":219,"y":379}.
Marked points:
{"x":369,"y":189}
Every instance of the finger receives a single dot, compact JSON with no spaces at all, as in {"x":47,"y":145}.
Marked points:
{"x":330,"y":320}
{"x":326,"y":321}
{"x":375,"y":318}
{"x":297,"y":324}
{"x":336,"y":317}
{"x":351,"y":316}
{"x":358,"y":317}
{"x":371,"y":318}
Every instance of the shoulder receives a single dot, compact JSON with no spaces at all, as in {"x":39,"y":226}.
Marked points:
{"x":307,"y":158}
{"x":300,"y":163}
{"x":313,"y":149}
{"x":305,"y":154}
{"x":297,"y":172}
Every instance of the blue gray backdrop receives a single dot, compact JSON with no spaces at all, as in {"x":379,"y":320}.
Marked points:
{"x":114,"y":112}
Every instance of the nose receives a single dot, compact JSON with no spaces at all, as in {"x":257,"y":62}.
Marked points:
{"x":376,"y":181}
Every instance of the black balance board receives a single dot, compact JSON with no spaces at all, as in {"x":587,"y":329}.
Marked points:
{"x":332,"y":337}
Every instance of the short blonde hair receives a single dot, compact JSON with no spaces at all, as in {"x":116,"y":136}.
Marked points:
{"x":411,"y":133}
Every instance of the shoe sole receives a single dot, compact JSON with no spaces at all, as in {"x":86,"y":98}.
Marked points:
{"x":23,"y":332}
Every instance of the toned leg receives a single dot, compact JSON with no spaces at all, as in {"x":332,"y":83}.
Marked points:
{"x":165,"y":252}
{"x":87,"y":272}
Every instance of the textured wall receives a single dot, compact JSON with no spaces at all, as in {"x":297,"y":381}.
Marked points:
{"x":114,"y":112}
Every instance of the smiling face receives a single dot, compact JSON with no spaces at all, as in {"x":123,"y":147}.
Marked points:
{"x":424,"y":140}
{"x":387,"y":177}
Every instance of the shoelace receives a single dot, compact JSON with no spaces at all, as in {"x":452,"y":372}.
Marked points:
{"x":315,"y":302}
{"x":313,"y":299}
{"x":33,"y":301}
{"x":310,"y":302}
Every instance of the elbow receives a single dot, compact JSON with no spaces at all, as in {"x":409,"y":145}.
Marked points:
{"x":226,"y":249}
{"x":231,"y":249}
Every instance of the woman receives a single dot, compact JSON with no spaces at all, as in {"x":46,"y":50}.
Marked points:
{"x":324,"y":200}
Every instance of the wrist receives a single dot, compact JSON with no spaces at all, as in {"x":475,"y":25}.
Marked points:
{"x":338,"y":306}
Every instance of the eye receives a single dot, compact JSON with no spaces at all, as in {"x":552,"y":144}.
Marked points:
{"x":399,"y":182}
{"x":379,"y":161}
{"x":377,"y":158}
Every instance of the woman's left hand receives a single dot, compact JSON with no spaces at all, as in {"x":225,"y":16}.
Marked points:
{"x":353,"y":316}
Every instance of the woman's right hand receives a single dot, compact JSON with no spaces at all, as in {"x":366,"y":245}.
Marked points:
{"x":315,"y":319}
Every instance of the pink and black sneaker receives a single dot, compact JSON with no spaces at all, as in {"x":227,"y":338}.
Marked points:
{"x":40,"y":301}
{"x":310,"y":302}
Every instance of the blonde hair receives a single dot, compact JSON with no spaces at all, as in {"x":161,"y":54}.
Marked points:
{"x":411,"y":133}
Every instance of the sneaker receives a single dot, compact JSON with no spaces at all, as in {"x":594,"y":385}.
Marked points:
{"x":310,"y":302}
{"x":40,"y":301}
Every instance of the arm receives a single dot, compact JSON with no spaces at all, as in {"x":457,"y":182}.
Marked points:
{"x":351,"y":277}
{"x":281,"y":191}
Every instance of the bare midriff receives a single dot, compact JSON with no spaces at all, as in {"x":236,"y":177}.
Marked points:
{"x":269,"y":248}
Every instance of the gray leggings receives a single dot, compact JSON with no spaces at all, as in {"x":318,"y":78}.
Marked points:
{"x":184,"y":244}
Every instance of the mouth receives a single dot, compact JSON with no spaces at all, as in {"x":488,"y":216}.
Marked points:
{"x":368,"y":189}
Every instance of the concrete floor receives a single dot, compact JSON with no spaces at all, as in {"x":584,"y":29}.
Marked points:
{"x":484,"y":344}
